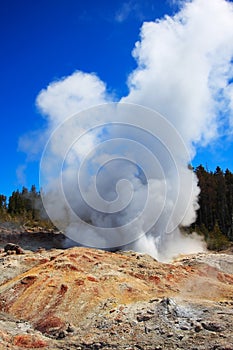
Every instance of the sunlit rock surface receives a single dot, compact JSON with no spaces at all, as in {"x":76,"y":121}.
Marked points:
{"x":82,"y":298}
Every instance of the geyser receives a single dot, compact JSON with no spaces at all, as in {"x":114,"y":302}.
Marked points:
{"x":116,"y":166}
{"x":115,"y":173}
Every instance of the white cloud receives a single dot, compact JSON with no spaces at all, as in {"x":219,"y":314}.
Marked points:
{"x":123,"y":13}
{"x":70,"y":95}
{"x":184,"y":65}
{"x":229,"y":90}
{"x":129,"y":9}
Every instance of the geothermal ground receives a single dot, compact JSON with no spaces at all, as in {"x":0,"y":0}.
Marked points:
{"x":81,"y":298}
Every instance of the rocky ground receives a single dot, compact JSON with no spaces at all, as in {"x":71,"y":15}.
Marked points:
{"x":81,"y":298}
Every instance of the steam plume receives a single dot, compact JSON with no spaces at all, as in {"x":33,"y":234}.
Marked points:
{"x":136,"y":158}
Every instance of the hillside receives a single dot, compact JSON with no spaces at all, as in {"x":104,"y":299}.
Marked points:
{"x":82,"y":298}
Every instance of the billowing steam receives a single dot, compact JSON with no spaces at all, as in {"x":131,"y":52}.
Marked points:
{"x":116,"y":174}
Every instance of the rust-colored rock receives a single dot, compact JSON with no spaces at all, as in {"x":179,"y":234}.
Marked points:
{"x":103,"y":297}
{"x":29,"y":342}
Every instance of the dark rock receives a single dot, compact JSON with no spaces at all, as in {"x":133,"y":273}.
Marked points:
{"x":148,"y":330}
{"x":184,"y":327}
{"x":11,"y":247}
{"x":61,"y":335}
{"x":10,"y":252}
{"x":19,"y":250}
{"x":154,"y":300}
{"x":70,"y":329}
{"x":198,"y":328}
{"x":141,"y":318}
{"x":212,"y":326}
{"x":170,"y":335}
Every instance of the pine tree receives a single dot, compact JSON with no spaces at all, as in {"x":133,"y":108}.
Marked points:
{"x":216,"y":240}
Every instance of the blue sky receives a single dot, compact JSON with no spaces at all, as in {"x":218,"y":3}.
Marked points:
{"x":44,"y":40}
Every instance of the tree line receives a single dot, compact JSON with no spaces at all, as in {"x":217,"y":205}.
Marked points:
{"x":25,"y":207}
{"x":214,"y":217}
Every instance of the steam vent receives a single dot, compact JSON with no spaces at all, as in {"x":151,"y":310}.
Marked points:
{"x":119,"y":116}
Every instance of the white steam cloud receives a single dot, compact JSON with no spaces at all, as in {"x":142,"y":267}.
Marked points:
{"x":185,"y":73}
{"x":70,"y":95}
{"x":184,"y":66}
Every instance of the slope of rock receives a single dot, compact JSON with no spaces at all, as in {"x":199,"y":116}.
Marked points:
{"x":83,"y":298}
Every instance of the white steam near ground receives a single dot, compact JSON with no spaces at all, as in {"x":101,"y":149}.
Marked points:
{"x":184,"y":72}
